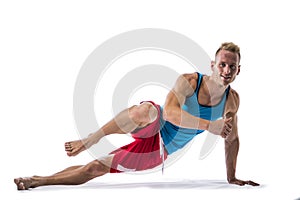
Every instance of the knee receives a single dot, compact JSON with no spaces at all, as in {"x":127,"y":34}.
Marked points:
{"x":96,"y":168}
{"x":144,"y":113}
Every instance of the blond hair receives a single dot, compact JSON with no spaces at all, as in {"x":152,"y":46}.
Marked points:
{"x":229,"y":46}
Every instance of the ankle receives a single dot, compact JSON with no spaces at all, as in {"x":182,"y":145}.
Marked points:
{"x":93,"y":138}
{"x":35,"y":181}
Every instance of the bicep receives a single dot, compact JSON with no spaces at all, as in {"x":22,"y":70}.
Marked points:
{"x":182,"y":89}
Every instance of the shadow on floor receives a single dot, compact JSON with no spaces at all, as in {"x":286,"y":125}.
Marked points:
{"x":178,"y":184}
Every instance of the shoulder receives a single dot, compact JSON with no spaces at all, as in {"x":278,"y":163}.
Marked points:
{"x":234,"y":95}
{"x":186,"y":84}
{"x":187,"y":79}
{"x":233,"y":101}
{"x":190,"y":78}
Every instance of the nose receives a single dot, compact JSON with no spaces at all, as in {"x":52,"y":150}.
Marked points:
{"x":227,"y":69}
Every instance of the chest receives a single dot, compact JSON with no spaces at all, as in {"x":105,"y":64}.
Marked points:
{"x":208,"y":97}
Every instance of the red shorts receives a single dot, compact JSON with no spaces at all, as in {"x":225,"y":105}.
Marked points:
{"x":143,"y":153}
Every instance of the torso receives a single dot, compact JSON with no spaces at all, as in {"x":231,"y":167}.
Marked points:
{"x":205,"y":99}
{"x":175,"y":137}
{"x":204,"y":96}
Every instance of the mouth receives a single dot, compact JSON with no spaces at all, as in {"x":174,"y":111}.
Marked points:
{"x":225,"y":78}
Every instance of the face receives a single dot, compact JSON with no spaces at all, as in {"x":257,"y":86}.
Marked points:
{"x":226,"y":67}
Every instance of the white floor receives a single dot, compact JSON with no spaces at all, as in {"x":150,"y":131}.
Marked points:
{"x":140,"y":187}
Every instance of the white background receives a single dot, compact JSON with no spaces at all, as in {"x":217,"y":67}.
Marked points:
{"x":44,"y":44}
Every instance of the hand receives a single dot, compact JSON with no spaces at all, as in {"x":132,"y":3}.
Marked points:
{"x":241,"y":182}
{"x":222,"y":127}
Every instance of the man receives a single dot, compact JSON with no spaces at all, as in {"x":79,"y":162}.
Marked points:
{"x":196,"y":103}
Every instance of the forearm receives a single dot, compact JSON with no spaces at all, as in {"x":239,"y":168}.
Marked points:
{"x":231,"y":153}
{"x":183,"y":119}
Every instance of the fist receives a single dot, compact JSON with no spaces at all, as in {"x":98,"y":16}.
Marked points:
{"x":222,"y":127}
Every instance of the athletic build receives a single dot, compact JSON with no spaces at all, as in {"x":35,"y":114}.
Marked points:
{"x":195,"y":104}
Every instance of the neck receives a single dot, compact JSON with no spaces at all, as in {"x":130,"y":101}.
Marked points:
{"x":214,"y":87}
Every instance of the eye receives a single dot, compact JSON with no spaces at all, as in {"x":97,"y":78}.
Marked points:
{"x":222,"y":64}
{"x":232,"y":67}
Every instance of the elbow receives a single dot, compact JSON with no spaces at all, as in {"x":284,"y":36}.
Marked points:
{"x":172,"y":114}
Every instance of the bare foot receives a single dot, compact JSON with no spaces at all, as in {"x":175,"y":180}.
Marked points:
{"x":23,"y":183}
{"x":75,"y":147}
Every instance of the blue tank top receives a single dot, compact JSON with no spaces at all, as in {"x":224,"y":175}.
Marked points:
{"x":175,"y":137}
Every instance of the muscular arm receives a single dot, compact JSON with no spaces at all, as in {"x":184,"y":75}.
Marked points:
{"x":232,"y":141}
{"x":173,"y":113}
{"x":184,"y":87}
{"x":231,"y":150}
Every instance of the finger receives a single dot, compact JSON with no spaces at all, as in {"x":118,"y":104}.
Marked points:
{"x":227,"y":131}
{"x":252,"y":183}
{"x":223,"y":135}
{"x":228,"y":128}
{"x":229,"y":125}
{"x":228,"y":119}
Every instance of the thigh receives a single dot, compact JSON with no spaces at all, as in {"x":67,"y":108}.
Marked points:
{"x":142,"y":154}
{"x":145,"y":113}
{"x":106,"y":160}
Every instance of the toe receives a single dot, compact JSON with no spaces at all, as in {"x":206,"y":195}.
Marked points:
{"x":21,"y":186}
{"x":69,"y":153}
{"x":67,"y":144}
{"x":17,"y":180}
{"x":68,"y":148}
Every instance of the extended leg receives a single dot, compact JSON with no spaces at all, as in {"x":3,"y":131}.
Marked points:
{"x":71,"y":176}
{"x":125,"y":122}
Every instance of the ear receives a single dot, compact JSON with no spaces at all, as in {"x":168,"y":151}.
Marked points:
{"x":212,"y":64}
{"x":239,"y":69}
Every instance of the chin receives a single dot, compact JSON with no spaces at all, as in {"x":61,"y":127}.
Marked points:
{"x":226,"y":83}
